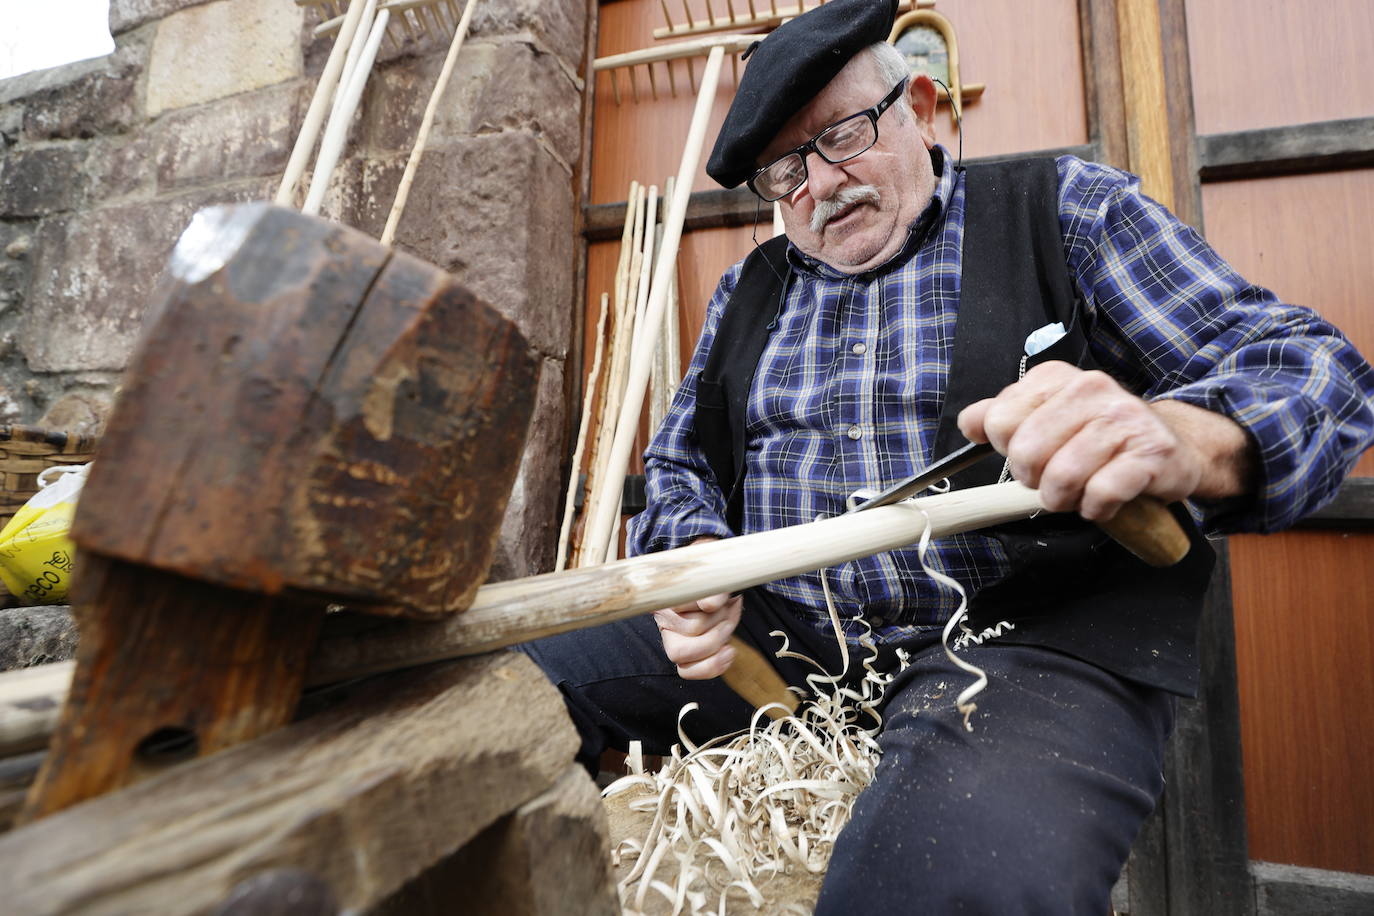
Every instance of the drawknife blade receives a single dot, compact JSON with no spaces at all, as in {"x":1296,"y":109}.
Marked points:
{"x":952,"y":463}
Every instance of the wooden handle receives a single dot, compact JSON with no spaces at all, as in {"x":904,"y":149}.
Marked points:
{"x":1147,"y":528}
{"x":752,"y":677}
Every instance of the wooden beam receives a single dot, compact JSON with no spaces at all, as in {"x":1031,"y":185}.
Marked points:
{"x":1103,"y":93}
{"x":739,"y":207}
{"x":1144,"y":88}
{"x":1287,"y":890}
{"x":361,"y":797}
{"x":1320,"y":146}
{"x":1353,"y":507}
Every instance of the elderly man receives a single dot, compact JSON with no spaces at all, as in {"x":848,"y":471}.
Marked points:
{"x":1047,"y":307}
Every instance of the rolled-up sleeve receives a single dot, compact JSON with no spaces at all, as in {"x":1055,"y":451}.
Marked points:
{"x":1171,"y":319}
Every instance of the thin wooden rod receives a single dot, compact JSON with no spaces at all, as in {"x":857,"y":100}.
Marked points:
{"x":588,"y":400}
{"x":395,"y":6}
{"x":355,"y":52}
{"x":331,"y":147}
{"x":693,"y":47}
{"x":426,"y":123}
{"x":319,"y":105}
{"x":512,"y":612}
{"x":601,"y":523}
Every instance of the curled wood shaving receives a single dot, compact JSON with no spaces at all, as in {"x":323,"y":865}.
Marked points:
{"x":736,"y":813}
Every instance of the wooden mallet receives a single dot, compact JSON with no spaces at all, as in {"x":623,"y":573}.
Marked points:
{"x":310,"y":418}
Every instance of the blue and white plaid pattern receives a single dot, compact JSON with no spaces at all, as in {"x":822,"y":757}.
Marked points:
{"x":848,"y":392}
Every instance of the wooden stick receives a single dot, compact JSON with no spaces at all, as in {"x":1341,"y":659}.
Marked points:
{"x":755,"y":20}
{"x":507,"y":613}
{"x":394,"y":6}
{"x":427,"y":122}
{"x":594,"y":550}
{"x":646,"y":264}
{"x":355,"y":51}
{"x":604,"y":427}
{"x":575,"y":473}
{"x":331,"y":147}
{"x":601,"y":521}
{"x":319,"y":104}
{"x":696,"y":47}
{"x":517,"y":611}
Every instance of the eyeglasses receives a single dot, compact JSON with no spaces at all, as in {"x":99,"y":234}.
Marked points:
{"x":838,"y":143}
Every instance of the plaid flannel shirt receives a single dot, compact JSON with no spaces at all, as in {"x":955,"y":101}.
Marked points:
{"x":848,"y":391}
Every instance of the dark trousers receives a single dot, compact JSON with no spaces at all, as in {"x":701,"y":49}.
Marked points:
{"x":1034,"y":811}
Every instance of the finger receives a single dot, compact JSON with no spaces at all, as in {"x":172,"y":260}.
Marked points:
{"x":1114,"y":485}
{"x":693,"y":620}
{"x":971,"y":419}
{"x":1012,"y":403}
{"x":683,"y":650}
{"x":1065,"y":475}
{"x":714,"y":666}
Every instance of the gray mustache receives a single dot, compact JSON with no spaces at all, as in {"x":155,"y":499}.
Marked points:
{"x":828,"y":209}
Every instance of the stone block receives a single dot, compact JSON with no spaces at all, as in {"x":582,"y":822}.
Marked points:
{"x":93,"y":273}
{"x":37,"y":182}
{"x":529,"y":530}
{"x":558,"y":26}
{"x":129,"y":14}
{"x":220,"y":49}
{"x":99,"y":102}
{"x":121,"y":166}
{"x":11,"y":123}
{"x":494,"y":87}
{"x":16,"y":241}
{"x":497,"y":212}
{"x":549,"y":857}
{"x":35,"y":636}
{"x":247,"y":135}
{"x":79,"y":413}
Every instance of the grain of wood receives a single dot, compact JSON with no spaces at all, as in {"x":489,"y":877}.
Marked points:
{"x":362,"y":796}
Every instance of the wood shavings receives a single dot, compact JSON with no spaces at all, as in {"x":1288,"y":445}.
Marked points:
{"x":735,"y":814}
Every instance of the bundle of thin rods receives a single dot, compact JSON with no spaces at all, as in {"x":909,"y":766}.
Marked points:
{"x":618,"y":337}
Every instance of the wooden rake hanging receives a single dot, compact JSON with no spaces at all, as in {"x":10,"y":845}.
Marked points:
{"x":360,"y":34}
{"x":742,"y":14}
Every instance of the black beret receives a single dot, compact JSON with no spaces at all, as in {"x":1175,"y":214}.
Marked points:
{"x":786,"y":71}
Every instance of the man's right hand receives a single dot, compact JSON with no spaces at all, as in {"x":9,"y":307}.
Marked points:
{"x":696,"y":635}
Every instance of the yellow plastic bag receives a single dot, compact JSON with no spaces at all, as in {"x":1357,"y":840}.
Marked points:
{"x":35,"y":552}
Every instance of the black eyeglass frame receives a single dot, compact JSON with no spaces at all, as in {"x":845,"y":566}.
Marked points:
{"x":872,"y":114}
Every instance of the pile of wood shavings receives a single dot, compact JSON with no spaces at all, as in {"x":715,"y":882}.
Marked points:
{"x":736,"y":813}
{"x":732,"y":815}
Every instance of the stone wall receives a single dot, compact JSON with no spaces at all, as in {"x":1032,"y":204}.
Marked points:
{"x":105,"y":161}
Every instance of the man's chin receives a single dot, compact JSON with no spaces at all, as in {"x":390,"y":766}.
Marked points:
{"x":856,"y":250}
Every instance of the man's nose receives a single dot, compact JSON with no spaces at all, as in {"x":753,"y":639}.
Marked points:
{"x":823,"y":178}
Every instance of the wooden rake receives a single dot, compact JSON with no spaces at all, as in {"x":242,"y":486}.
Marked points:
{"x":742,"y":14}
{"x":360,"y":32}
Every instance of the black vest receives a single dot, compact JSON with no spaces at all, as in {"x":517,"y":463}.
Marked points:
{"x":1071,"y":587}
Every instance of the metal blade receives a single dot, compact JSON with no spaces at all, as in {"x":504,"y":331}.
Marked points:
{"x":952,"y":463}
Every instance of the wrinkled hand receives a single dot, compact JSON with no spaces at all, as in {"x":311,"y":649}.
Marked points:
{"x":696,"y":635}
{"x":1089,"y":445}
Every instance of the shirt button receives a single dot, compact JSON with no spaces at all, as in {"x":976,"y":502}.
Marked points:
{"x":877,"y":622}
{"x":860,"y":348}
{"x":854,"y":432}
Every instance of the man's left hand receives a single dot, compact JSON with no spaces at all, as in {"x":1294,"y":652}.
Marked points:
{"x":1089,"y":445}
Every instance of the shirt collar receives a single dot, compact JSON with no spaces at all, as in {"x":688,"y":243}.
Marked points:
{"x":917,"y":234}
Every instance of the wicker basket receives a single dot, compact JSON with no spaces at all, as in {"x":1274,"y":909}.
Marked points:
{"x":25,"y":452}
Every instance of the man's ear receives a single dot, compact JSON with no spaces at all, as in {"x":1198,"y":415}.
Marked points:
{"x":921,"y":93}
